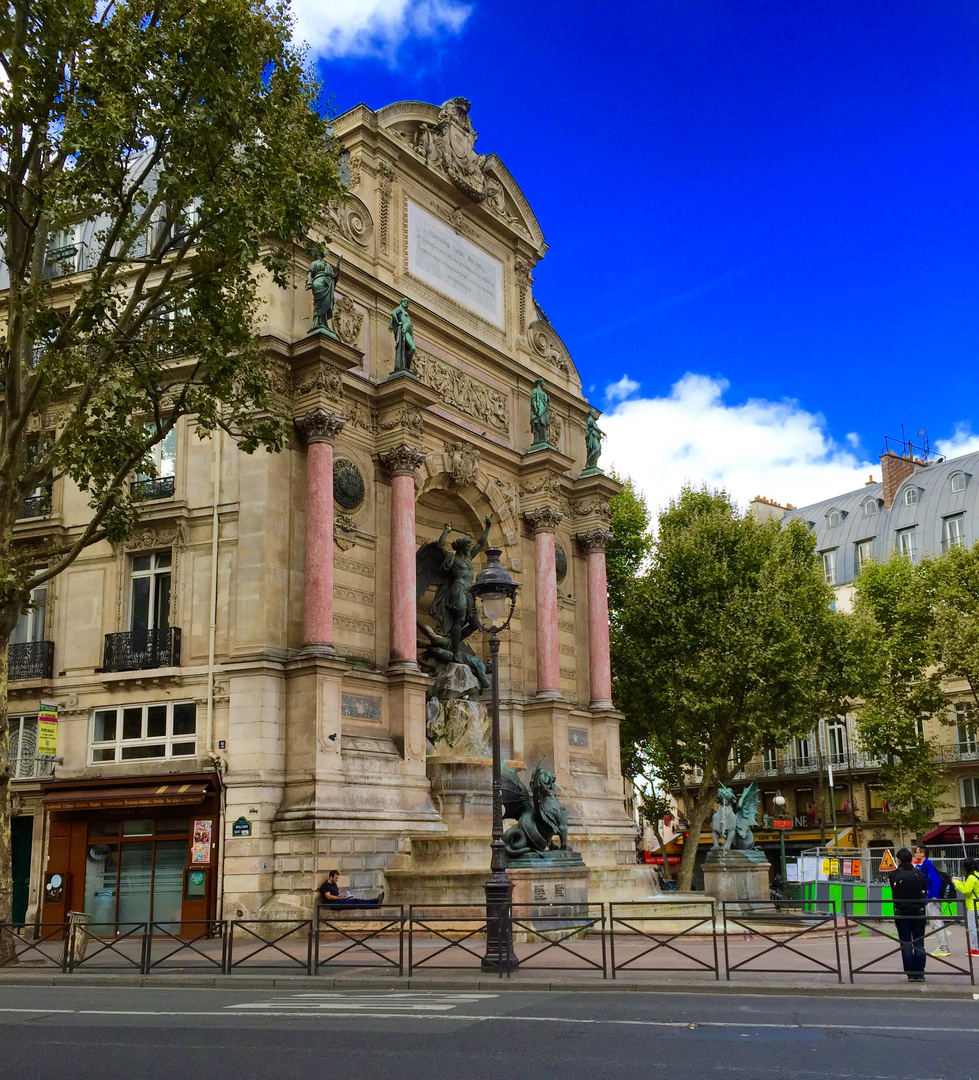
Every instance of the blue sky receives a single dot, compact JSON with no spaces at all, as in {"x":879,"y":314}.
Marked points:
{"x":763,"y":214}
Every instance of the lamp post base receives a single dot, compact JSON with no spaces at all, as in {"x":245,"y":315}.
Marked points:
{"x":500,"y":956}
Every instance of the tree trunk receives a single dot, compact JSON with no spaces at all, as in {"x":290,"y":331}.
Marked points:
{"x":7,"y":951}
{"x":667,"y":872}
{"x":695,"y":822}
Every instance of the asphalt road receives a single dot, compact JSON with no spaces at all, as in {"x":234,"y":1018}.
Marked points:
{"x":90,"y":1033}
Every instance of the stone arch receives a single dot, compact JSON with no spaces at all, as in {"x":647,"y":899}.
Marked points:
{"x":437,"y":473}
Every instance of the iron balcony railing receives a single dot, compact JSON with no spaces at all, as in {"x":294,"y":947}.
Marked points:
{"x":154,"y":487}
{"x":139,"y":650}
{"x":31,"y":660}
{"x":36,"y":506}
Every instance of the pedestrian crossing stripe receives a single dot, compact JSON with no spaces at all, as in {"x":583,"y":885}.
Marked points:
{"x":390,"y":1002}
{"x":887,"y":862}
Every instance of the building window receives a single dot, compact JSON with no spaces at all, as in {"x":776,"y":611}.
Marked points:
{"x":907,"y":544}
{"x":30,"y":625}
{"x":877,"y":806}
{"x":158,"y":482}
{"x":836,"y":742}
{"x":803,"y":752}
{"x":769,"y":759}
{"x":968,"y":741}
{"x":970,"y":792}
{"x":829,"y":566}
{"x":149,"y":603}
{"x":910,"y":496}
{"x":841,"y":798}
{"x":24,"y":762}
{"x":133,"y":732}
{"x":870,"y":507}
{"x":833,"y":519}
{"x":805,"y":805}
{"x":863,"y":554}
{"x":958,"y":481}
{"x":953,"y":531}
{"x":65,"y":255}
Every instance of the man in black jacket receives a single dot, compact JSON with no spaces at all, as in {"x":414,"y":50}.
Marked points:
{"x":909,"y":888}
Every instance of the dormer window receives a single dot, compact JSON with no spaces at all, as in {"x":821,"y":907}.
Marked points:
{"x":958,"y":481}
{"x":911,"y":496}
{"x":834,"y":519}
{"x":870,"y":507}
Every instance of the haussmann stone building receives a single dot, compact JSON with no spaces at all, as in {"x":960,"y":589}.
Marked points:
{"x":240,"y":704}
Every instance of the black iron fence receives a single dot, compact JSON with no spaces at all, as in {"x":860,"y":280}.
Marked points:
{"x":139,"y":650}
{"x":153,"y":487}
{"x":31,"y":660}
{"x":639,"y":940}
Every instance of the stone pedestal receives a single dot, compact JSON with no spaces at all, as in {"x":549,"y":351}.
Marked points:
{"x":736,"y":875}
{"x":550,"y":882}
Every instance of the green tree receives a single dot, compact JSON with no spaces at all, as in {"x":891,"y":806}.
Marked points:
{"x":720,"y":647}
{"x":903,"y":687}
{"x":191,"y":133}
{"x":952,"y":583}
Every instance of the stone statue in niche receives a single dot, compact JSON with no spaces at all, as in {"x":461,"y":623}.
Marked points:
{"x":322,"y":282}
{"x":593,"y":442}
{"x":540,"y":415}
{"x":404,"y":337}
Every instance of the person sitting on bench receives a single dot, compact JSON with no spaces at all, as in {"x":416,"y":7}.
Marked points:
{"x":330,"y":894}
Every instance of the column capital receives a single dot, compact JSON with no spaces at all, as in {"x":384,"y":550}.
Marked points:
{"x":594,"y":539}
{"x":543,"y":518}
{"x":402,"y":460}
{"x":318,"y":425}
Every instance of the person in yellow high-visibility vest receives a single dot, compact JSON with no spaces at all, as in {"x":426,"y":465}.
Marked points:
{"x":968,"y":886}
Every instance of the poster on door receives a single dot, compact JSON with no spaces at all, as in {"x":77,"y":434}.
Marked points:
{"x":200,"y":850}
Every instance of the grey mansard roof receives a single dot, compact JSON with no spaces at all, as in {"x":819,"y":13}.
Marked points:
{"x":935,"y":502}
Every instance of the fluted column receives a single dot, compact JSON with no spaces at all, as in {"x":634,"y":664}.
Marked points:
{"x":544,"y":520}
{"x":402,"y":462}
{"x":593,"y":543}
{"x":319,"y":428}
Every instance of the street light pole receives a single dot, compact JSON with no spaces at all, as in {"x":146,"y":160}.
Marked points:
{"x":495,"y":589}
{"x":779,"y":801}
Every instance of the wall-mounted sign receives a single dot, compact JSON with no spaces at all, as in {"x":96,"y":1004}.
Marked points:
{"x":47,"y":729}
{"x":200,"y":850}
{"x":241,"y":827}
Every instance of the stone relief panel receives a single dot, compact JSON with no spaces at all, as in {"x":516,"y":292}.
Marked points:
{"x":462,"y":462}
{"x":464,"y":392}
{"x":351,"y":220}
{"x":361,"y":707}
{"x":347,"y":321}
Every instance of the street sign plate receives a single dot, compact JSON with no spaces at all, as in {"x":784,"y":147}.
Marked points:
{"x":782,"y":823}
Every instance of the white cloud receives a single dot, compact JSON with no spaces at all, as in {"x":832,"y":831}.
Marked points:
{"x":373,"y":28}
{"x":619,"y":391}
{"x":770,"y":448}
{"x":961,"y":441}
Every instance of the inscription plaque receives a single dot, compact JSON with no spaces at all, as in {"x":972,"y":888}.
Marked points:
{"x":454,"y":265}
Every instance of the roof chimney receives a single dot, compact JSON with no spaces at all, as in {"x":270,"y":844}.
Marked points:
{"x":895,"y":470}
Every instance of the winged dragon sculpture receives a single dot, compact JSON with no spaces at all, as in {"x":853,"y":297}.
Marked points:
{"x":730,"y":827}
{"x":540,"y":815}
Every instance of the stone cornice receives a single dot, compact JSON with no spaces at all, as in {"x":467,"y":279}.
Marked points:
{"x":318,"y":425}
{"x":402,"y":460}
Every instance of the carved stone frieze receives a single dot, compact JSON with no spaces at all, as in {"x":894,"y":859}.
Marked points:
{"x":347,"y":320}
{"x":357,"y":596}
{"x":463,"y":462}
{"x":144,"y":539}
{"x":471,"y":396}
{"x":543,"y":518}
{"x":548,"y":486}
{"x":507,"y":495}
{"x":598,"y":506}
{"x":402,"y":460}
{"x":351,"y":220}
{"x":318,"y":425}
{"x":408,"y":418}
{"x":593,"y":539}
{"x":327,"y":381}
{"x":385,"y":182}
{"x":354,"y":566}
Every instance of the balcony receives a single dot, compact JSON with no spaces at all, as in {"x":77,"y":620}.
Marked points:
{"x":31,"y":660}
{"x":35,"y":506}
{"x":155,"y":487}
{"x":142,"y":650}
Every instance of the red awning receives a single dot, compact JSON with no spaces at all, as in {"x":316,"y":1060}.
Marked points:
{"x":87,"y":798}
{"x":949,"y":834}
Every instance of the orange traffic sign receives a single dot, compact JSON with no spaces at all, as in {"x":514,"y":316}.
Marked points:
{"x":887,"y":862}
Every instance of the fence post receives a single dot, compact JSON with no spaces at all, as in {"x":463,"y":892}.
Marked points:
{"x":309,"y":947}
{"x":228,"y":938}
{"x":144,"y":964}
{"x":611,"y":934}
{"x":604,"y":958}
{"x":713,"y":937}
{"x":727,"y":961}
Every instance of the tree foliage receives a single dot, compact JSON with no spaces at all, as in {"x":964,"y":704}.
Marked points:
{"x":719,"y":647}
{"x":190,"y":132}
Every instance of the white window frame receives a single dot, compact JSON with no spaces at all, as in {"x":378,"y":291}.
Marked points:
{"x":967,"y":737}
{"x":863,"y":553}
{"x":38,"y":766}
{"x":31,"y":623}
{"x":836,"y":740}
{"x":154,"y":573}
{"x":829,"y":565}
{"x":953,"y":536}
{"x":969,"y":792}
{"x":910,"y":496}
{"x":803,"y":750}
{"x":907,"y":543}
{"x":110,"y":751}
{"x":164,"y":457}
{"x":68,"y":237}
{"x":834,"y":519}
{"x":870,"y":508}
{"x":957,"y":482}
{"x":769,"y":759}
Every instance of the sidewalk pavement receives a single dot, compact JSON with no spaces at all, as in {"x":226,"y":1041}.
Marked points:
{"x":815,"y":962}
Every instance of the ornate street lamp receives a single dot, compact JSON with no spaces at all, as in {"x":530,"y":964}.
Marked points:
{"x":496,"y":595}
{"x":779,"y":802}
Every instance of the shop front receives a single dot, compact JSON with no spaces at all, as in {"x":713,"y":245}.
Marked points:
{"x":145,"y":852}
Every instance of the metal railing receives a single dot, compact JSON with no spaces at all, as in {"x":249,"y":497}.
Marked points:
{"x":31,"y":660}
{"x":343,"y":936}
{"x":35,"y":506}
{"x":153,"y":487}
{"x":776,"y":926}
{"x":636,"y":934}
{"x":140,"y":650}
{"x":266,"y":936}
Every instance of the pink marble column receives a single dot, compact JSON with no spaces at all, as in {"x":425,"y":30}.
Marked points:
{"x":544,"y":520}
{"x":402,"y":462}
{"x":593,"y":543}
{"x":319,"y":428}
